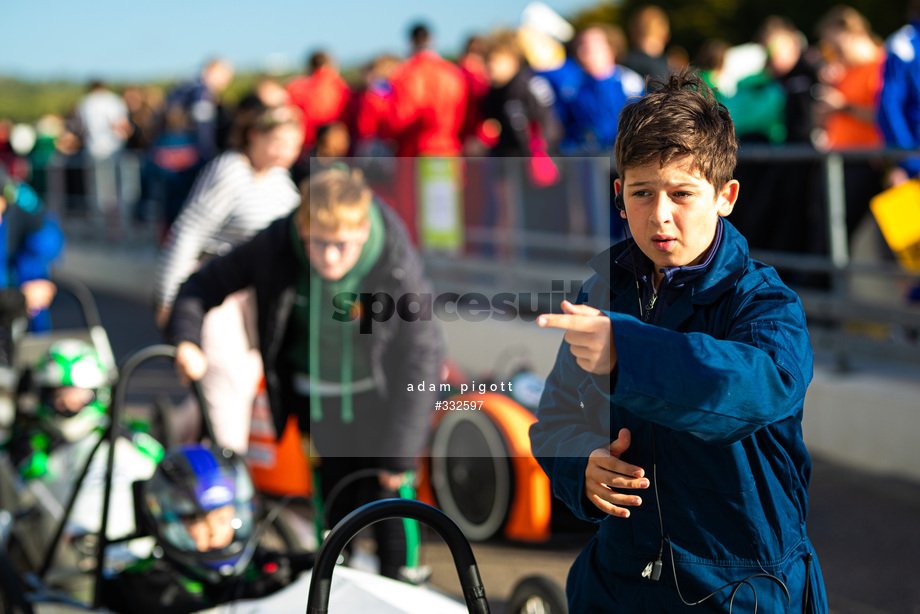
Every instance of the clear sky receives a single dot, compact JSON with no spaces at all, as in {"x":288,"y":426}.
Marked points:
{"x":142,"y":39}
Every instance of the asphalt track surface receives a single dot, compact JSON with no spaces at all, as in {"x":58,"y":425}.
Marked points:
{"x":865,"y":526}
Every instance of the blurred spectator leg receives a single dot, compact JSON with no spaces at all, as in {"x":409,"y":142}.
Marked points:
{"x":78,"y":189}
{"x":863,"y":181}
{"x":507,"y":236}
{"x":475,"y":202}
{"x":405,"y":191}
{"x":129,"y":186}
{"x":56,"y":195}
{"x":230,"y":343}
{"x":102,"y":179}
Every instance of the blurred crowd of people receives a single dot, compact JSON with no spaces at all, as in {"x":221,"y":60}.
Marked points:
{"x":535,"y":93}
{"x":247,"y":257}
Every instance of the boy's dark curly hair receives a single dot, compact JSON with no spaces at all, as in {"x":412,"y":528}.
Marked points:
{"x":678,"y":118}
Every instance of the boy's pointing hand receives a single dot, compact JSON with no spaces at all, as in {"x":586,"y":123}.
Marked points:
{"x":588,"y":332}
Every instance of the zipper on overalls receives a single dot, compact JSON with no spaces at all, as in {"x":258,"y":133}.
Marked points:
{"x":650,"y":306}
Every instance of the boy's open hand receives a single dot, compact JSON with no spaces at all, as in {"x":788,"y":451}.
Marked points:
{"x":588,"y":332}
{"x":606,"y":472}
{"x":190,"y":362}
{"x":390,"y":481}
{"x":39,"y":293}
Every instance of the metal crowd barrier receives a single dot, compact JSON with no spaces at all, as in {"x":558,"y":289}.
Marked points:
{"x":508,"y":243}
{"x":863,"y":311}
{"x":95,"y":199}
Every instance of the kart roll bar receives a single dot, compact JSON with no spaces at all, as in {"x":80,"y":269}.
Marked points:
{"x":111,"y":433}
{"x":81,"y":292}
{"x":118,"y":402}
{"x":321,"y":582}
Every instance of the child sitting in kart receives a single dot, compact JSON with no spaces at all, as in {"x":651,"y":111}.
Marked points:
{"x":199,"y":506}
{"x":51,"y":442}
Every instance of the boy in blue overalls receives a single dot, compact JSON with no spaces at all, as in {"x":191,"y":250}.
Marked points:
{"x":673,"y":414}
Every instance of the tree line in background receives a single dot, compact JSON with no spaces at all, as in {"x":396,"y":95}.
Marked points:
{"x":692,"y":22}
{"x":22,"y":100}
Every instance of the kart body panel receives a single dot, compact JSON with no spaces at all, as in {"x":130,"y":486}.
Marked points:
{"x":353,"y":592}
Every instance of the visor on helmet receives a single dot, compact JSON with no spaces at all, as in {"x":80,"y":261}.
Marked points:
{"x":73,"y":388}
{"x":200,"y":504}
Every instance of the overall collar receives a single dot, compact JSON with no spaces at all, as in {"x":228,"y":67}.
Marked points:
{"x":725,"y":265}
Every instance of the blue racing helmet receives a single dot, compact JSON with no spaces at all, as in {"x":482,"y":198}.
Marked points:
{"x":199,"y":504}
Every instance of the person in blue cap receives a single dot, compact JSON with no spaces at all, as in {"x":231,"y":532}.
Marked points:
{"x":899,"y":100}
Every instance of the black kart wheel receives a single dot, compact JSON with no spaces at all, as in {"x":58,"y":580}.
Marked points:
{"x":537,"y":595}
{"x":471,"y":473}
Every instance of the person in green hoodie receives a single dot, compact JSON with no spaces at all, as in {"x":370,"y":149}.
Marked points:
{"x":341,"y":252}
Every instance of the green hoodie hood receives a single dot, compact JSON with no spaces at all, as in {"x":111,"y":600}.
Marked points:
{"x":330,"y":344}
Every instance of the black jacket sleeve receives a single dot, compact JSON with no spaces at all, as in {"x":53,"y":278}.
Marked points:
{"x":210,"y":285}
{"x":414,"y":354}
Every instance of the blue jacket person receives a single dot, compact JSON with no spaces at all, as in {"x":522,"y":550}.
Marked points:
{"x":672,"y":416}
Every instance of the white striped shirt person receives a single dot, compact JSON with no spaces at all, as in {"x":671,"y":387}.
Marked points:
{"x":228,"y":204}
{"x":237,"y":194}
